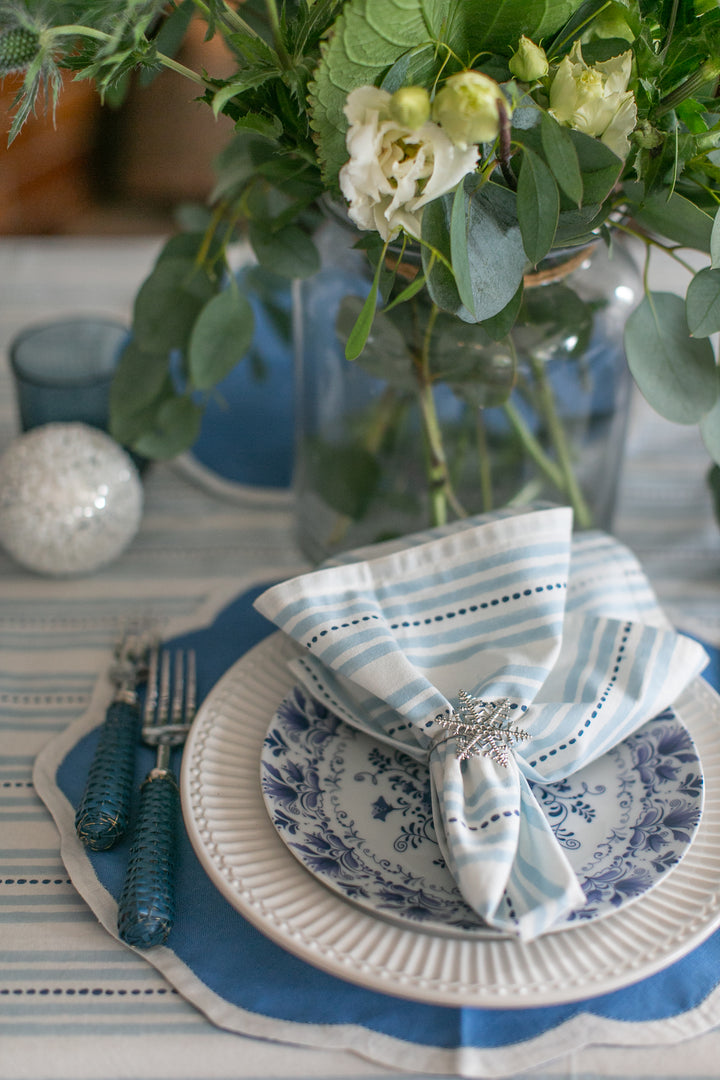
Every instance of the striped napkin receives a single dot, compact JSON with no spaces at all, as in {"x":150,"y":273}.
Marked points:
{"x":392,"y":643}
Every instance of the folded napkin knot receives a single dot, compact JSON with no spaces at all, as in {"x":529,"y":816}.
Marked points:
{"x":558,"y":668}
{"x":478,"y":727}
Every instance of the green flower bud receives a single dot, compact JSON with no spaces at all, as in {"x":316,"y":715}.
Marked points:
{"x":17,"y":49}
{"x":410,"y":106}
{"x":529,"y":62}
{"x":467,"y":107}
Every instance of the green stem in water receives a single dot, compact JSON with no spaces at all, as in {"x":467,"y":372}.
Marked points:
{"x":439,"y":485}
{"x":569,"y":484}
{"x":532,"y":447}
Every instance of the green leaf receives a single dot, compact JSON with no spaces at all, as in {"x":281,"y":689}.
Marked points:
{"x":710,"y":431}
{"x":289,"y":252}
{"x":703,"y":303}
{"x":501,"y":324}
{"x":715,"y":241}
{"x":459,"y":225}
{"x":138,"y":379}
{"x":436,"y":237}
{"x":168,"y":303}
{"x":188,"y":245}
{"x":359,"y":334}
{"x":495,"y":249}
{"x":676,"y":373}
{"x":561,"y":156}
{"x":385,"y":353}
{"x":263,"y":126}
{"x":676,"y":219}
{"x":221,"y":336}
{"x":496,"y":256}
{"x":538,"y":206}
{"x":600,"y":168}
{"x":713,"y":480}
{"x":176,"y":428}
{"x":493,"y":25}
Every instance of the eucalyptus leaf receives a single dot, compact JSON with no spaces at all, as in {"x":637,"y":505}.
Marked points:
{"x":188,"y":245}
{"x":561,"y":156}
{"x":675,"y":373}
{"x":710,"y":431}
{"x":459,"y":225}
{"x":715,"y":241}
{"x":440,"y":280}
{"x":168,"y":303}
{"x":538,"y":206}
{"x":495,"y":249}
{"x":501,"y":324}
{"x":676,"y":218}
{"x":129,"y":420}
{"x":703,"y":303}
{"x":599,"y":166}
{"x":138,"y":378}
{"x":176,"y":428}
{"x":289,"y":252}
{"x":714,"y":485}
{"x":221,"y":336}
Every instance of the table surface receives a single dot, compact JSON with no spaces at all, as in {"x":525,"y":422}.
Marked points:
{"x":195,"y":548}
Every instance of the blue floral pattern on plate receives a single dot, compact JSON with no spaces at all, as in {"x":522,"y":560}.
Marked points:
{"x":358,"y":816}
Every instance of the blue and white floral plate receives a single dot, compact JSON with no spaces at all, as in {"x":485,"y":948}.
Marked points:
{"x":357,"y":814}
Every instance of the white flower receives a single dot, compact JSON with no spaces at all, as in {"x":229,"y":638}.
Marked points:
{"x":596,"y":99}
{"x":394,"y":171}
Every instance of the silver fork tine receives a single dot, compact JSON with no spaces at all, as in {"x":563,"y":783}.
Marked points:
{"x":146,"y":909}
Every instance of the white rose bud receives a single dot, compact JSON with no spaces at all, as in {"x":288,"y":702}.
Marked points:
{"x":529,"y":62}
{"x":410,"y":106}
{"x":467,"y":108}
{"x":596,"y":99}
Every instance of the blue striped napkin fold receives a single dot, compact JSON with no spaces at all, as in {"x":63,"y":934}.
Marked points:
{"x":492,"y":607}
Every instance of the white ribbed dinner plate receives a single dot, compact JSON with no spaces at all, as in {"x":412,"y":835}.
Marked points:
{"x":242,"y":853}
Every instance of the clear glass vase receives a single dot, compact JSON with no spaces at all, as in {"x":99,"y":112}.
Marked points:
{"x":421,"y":429}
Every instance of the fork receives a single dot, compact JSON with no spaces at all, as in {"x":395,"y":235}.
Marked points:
{"x":146,"y":909}
{"x":103,"y":813}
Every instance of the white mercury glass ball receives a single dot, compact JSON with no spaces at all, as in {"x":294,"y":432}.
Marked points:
{"x":70,"y":499}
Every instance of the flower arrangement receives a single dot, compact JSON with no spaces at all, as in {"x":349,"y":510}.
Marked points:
{"x":483,"y":135}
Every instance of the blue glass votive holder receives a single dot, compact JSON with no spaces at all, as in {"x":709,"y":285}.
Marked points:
{"x":63,"y":370}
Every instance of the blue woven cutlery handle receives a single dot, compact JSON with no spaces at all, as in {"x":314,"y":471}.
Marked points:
{"x":103,"y":814}
{"x":146,"y":909}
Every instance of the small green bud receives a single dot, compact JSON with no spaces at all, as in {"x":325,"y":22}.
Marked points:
{"x":647,"y":135}
{"x":18,"y":48}
{"x":529,"y":63}
{"x":410,"y":106}
{"x":467,"y":107}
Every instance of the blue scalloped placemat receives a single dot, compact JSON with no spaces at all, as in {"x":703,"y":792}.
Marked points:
{"x":237,"y":963}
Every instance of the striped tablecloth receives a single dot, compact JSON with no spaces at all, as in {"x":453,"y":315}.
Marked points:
{"x":73,"y":1002}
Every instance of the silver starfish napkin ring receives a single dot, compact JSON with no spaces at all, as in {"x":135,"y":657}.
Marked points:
{"x":480,"y":728}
